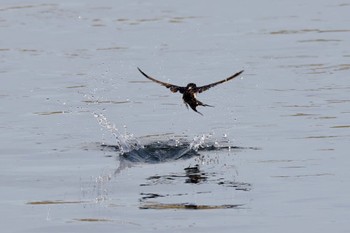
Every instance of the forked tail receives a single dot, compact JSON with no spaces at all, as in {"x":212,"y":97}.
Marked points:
{"x":204,"y":105}
{"x":199,"y":103}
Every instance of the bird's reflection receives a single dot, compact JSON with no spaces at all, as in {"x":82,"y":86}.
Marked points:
{"x":194,"y":175}
{"x":153,"y":194}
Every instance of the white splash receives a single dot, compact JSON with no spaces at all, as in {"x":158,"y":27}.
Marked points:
{"x":199,"y":141}
{"x":126,"y":142}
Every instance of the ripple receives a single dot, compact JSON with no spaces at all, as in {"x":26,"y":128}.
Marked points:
{"x":340,"y":126}
{"x":282,"y":32}
{"x":319,"y":40}
{"x":50,"y":113}
{"x":17,"y":7}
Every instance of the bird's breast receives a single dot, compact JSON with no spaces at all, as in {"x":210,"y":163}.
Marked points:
{"x":188,"y":96}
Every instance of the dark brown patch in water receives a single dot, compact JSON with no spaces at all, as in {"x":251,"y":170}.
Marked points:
{"x":93,"y":220}
{"x":54,"y":202}
{"x":340,"y":126}
{"x":187,"y":206}
{"x":78,"y":86}
{"x":112,"y":48}
{"x":50,"y":113}
{"x":105,"y":101}
{"x":302,"y":114}
{"x":322,"y":136}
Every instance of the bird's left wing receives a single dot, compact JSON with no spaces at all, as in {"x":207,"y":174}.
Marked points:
{"x":172,"y":87}
{"x":206,"y":87}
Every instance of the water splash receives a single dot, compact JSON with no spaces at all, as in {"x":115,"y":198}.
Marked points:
{"x":126,"y":142}
{"x":170,"y":150}
{"x":158,"y":150}
{"x":199,"y":141}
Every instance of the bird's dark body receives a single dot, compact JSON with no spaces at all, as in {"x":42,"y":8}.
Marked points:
{"x":189,"y":92}
{"x":189,"y":97}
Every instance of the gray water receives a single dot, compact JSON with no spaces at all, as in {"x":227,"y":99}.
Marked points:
{"x":88,"y":144}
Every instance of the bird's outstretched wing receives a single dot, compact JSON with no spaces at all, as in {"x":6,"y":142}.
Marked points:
{"x":172,"y":87}
{"x":206,"y":87}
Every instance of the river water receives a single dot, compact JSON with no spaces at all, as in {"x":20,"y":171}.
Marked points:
{"x":88,"y":144}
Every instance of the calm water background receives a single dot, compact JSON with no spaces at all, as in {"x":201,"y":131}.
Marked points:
{"x":66,"y":65}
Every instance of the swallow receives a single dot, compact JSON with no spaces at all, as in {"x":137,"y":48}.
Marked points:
{"x":191,"y":90}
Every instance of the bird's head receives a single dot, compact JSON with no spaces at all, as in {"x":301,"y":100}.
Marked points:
{"x":191,"y":86}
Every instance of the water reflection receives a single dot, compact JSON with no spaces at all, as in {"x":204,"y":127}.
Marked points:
{"x":193,"y":175}
{"x":202,"y":151}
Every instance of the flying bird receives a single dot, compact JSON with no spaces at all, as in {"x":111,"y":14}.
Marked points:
{"x":189,"y":92}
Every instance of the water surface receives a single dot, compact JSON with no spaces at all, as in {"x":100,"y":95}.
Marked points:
{"x":87,"y":144}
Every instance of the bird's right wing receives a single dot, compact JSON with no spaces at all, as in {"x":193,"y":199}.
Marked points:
{"x":206,"y":87}
{"x":172,"y":87}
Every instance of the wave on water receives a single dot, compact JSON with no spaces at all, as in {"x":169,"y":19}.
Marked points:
{"x":134,"y":150}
